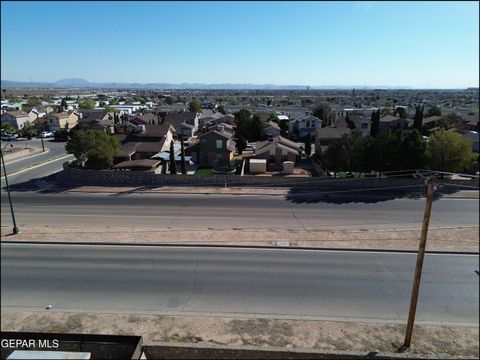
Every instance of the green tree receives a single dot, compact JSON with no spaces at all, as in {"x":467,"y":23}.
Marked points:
{"x":272,"y":116}
{"x":402,"y":113}
{"x":28,"y":130}
{"x":257,"y":129}
{"x":418,"y":118}
{"x":241,"y":144}
{"x":173,"y":165}
{"x":64,"y":104}
{"x":375,"y":122}
{"x":242,"y":122}
{"x":345,"y":153}
{"x":323,"y":112}
{"x":93,"y":149}
{"x":9,"y":128}
{"x":182,"y":155}
{"x":87,"y":104}
{"x":128,"y":129}
{"x":61,"y":135}
{"x":33,"y":101}
{"x":434,"y":111}
{"x":308,"y":145}
{"x":221,"y":110}
{"x":100,"y":158}
{"x":447,"y":122}
{"x":283,"y":127}
{"x":110,"y":109}
{"x":195,"y":105}
{"x":448,"y":151}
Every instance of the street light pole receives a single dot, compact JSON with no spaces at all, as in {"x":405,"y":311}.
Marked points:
{"x":15,"y":227}
{"x":41,"y":137}
{"x":419,"y":266}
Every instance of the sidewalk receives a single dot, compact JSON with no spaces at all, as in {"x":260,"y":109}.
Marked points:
{"x":464,"y":194}
{"x":460,"y":239}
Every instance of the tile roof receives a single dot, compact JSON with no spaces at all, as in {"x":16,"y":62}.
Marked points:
{"x":179,"y":117}
{"x":431,"y":119}
{"x":280,"y":141}
{"x":331,"y":133}
{"x":389,"y":118}
{"x":17,"y":113}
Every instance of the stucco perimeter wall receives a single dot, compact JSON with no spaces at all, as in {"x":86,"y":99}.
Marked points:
{"x":78,"y":176}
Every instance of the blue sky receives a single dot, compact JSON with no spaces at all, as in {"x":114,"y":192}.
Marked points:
{"x":418,"y":44}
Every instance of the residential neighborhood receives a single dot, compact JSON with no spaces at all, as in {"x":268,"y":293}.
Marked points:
{"x":239,"y":180}
{"x":206,"y":121}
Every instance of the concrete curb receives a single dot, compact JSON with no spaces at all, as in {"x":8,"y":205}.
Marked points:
{"x":35,"y":153}
{"x":259,"y":247}
{"x":164,"y":350}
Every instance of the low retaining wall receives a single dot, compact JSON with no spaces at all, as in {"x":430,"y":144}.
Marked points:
{"x":77,"y":176}
{"x":209,"y":351}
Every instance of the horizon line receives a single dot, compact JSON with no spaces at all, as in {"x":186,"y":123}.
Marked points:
{"x":326,"y":87}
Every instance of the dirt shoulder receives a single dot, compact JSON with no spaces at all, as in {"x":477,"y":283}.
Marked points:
{"x":325,"y":335}
{"x":462,"y":239}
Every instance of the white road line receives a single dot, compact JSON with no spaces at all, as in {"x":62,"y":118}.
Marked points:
{"x":36,"y":166}
{"x":28,"y":157}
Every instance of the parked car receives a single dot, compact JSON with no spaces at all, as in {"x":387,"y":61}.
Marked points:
{"x":9,"y":137}
{"x":46,"y":134}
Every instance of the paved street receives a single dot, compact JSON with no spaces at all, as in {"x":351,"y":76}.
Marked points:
{"x":291,"y":283}
{"x":191,"y":211}
{"x":56,"y":149}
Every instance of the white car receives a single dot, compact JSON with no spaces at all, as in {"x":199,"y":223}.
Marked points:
{"x":46,"y":134}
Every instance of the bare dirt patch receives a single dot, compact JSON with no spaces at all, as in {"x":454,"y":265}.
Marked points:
{"x":325,"y":335}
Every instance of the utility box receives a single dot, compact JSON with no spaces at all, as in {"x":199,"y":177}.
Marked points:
{"x":288,"y":167}
{"x":258,"y":166}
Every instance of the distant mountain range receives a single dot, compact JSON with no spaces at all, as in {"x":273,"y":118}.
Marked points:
{"x":82,"y":84}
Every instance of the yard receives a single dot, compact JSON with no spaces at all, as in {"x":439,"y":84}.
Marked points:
{"x":204,"y":172}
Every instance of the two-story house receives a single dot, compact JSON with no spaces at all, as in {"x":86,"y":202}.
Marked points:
{"x":185,"y":123}
{"x":96,"y":119}
{"x":276,"y":151}
{"x":17,"y":118}
{"x":146,"y":141}
{"x":61,"y":120}
{"x":305,"y":125}
{"x":391,"y":123}
{"x":213,"y":148}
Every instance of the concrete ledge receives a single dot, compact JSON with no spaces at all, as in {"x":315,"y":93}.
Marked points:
{"x":164,"y":350}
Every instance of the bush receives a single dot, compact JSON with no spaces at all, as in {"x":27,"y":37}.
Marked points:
{"x":93,"y":149}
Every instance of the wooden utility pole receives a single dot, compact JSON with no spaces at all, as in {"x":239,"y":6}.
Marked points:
{"x":419,"y":266}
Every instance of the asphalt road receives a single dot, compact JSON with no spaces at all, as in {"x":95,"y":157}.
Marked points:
{"x":195,"y":211}
{"x":30,"y":164}
{"x":359,"y":286}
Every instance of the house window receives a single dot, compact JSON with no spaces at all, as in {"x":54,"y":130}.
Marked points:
{"x":219,"y":144}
